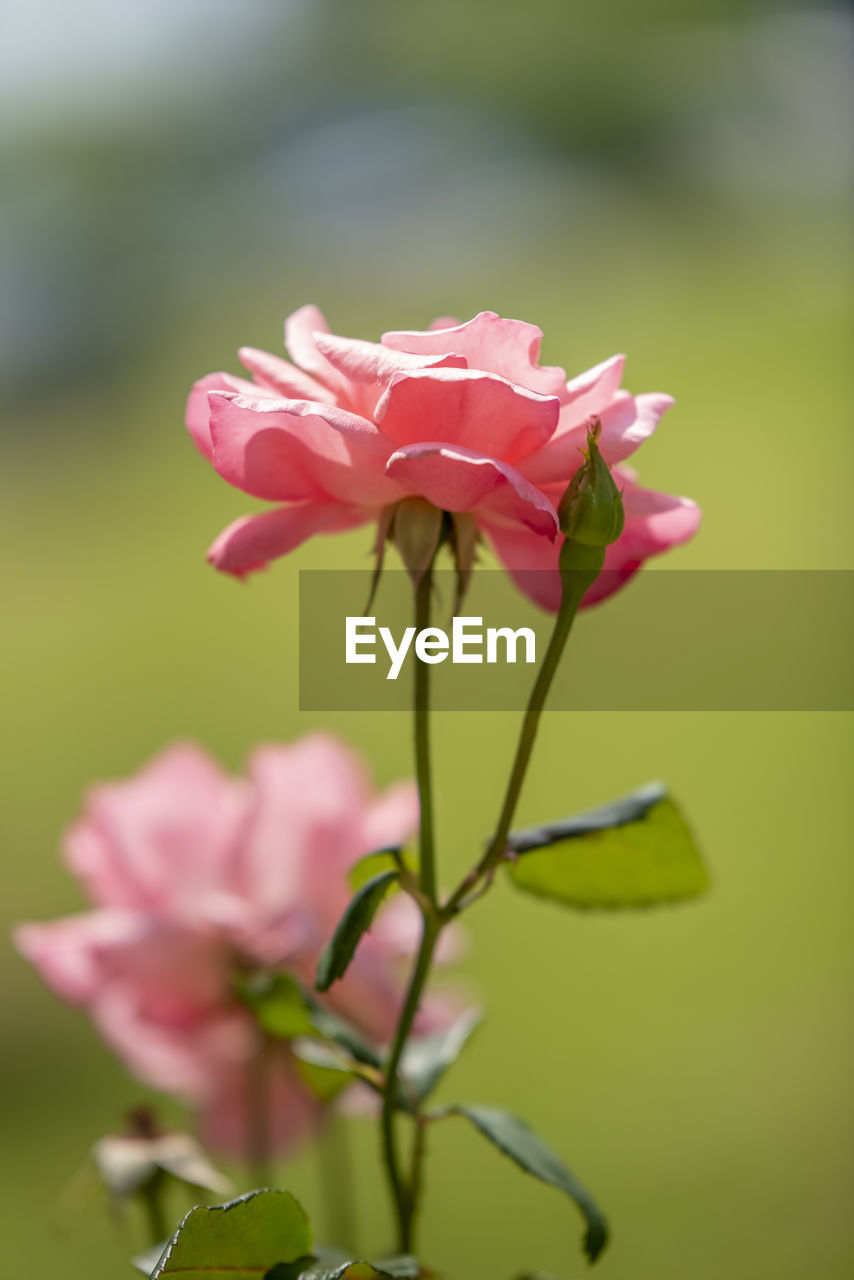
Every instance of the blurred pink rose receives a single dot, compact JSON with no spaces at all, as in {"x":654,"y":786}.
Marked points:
{"x":196,"y":876}
{"x":461,"y":414}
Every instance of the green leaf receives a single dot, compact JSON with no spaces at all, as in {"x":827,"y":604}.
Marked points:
{"x":530,"y":1153}
{"x":393,"y":1269}
{"x":309,"y":1268}
{"x":287,"y":1012}
{"x":427,"y":1059}
{"x":636,"y":852}
{"x":390,"y":859}
{"x":279,"y":1003}
{"x":241,"y":1240}
{"x":324,"y":1079}
{"x":404,"y":1267}
{"x":355,"y":921}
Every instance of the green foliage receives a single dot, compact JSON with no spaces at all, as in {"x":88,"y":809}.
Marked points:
{"x":325,"y":1079}
{"x":309,"y":1269}
{"x":283,"y":1009}
{"x":286,"y":1011}
{"x":390,"y":859}
{"x":426,"y":1060}
{"x":530,"y":1153}
{"x":637,"y":852}
{"x":356,"y":921}
{"x":266,"y":1235}
{"x":404,"y":1268}
{"x":241,"y":1240}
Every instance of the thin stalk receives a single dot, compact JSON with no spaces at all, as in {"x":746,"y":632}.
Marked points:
{"x":258,"y":1081}
{"x":419,"y":1151}
{"x":336,"y":1178}
{"x":402,"y":1193}
{"x":580,"y":567}
{"x":421,"y":721}
{"x":151,"y":1197}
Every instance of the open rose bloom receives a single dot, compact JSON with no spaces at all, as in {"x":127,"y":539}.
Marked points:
{"x":461,"y":415}
{"x":197,"y":876}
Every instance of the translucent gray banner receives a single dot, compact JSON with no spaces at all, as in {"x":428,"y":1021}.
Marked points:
{"x":672,"y":640}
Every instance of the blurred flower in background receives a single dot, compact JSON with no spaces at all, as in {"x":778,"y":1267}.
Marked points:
{"x":198,"y":878}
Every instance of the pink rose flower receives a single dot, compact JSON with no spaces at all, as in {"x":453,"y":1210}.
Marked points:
{"x":461,"y":414}
{"x":196,"y":876}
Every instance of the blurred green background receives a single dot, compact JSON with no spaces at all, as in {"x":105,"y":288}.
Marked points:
{"x":666,"y":179}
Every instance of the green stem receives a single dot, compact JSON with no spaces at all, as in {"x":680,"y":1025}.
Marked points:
{"x":336,"y":1176}
{"x":151,"y":1196}
{"x":419,"y":1151}
{"x":403,"y":1195}
{"x":404,"y":1201}
{"x":580,"y":566}
{"x":423,"y":771}
{"x":258,"y":1154}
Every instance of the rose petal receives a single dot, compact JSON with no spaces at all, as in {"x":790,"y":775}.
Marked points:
{"x":186,"y":1060}
{"x":457,"y":479}
{"x":371,"y":362}
{"x":66,"y":953}
{"x":301,"y":330}
{"x":308,"y":802}
{"x":251,"y":542}
{"x":157,"y":840}
{"x":510,"y":348}
{"x":655,"y":522}
{"x":283,"y":378}
{"x":593,"y":390}
{"x":530,"y":560}
{"x":391,"y":819}
{"x":294,"y":450}
{"x":198,"y":413}
{"x":293,"y":1112}
{"x":626,"y":422}
{"x":464,"y":407}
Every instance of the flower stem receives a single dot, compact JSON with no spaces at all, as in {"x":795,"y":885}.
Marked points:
{"x":151,"y":1197}
{"x":258,"y":1081}
{"x":336,"y":1177}
{"x":404,"y":1201}
{"x":580,"y":566}
{"x":403,"y":1194}
{"x":423,"y":771}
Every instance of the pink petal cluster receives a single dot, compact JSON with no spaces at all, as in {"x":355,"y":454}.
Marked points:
{"x":196,"y":876}
{"x":460,"y":414}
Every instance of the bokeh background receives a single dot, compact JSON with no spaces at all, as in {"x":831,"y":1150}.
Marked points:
{"x":668,"y":179}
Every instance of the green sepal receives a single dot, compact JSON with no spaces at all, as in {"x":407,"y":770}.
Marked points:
{"x":591,"y":509}
{"x":416,"y":531}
